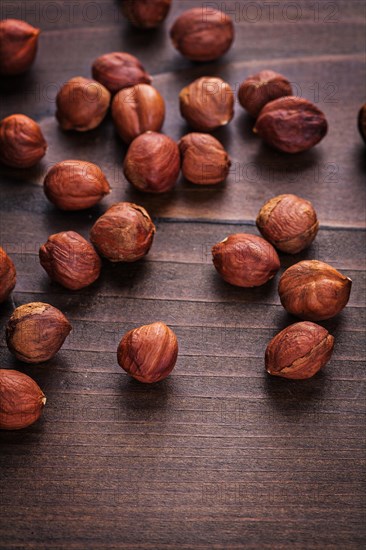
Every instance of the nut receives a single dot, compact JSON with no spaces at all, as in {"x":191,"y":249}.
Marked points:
{"x":146,"y":14}
{"x":202,"y":35}
{"x":70,"y":260}
{"x":36,"y":331}
{"x":291,"y":124}
{"x":299,"y":351}
{"x":124,"y":233}
{"x":21,"y":400}
{"x":204,"y":160}
{"x":148,"y":353}
{"x":119,"y":70}
{"x":257,"y":90}
{"x":75,"y":185}
{"x":136,"y":110}
{"x":22,"y":144}
{"x":82,"y":104}
{"x":288,"y":222}
{"x":18,"y":46}
{"x":152,"y":163}
{"x":207,"y":103}
{"x":245,"y":260}
{"x":362,"y":121}
{"x":7,"y":275}
{"x":314,"y":290}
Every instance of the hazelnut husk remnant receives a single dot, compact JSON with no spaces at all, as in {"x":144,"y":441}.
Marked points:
{"x":257,"y":90}
{"x":36,"y":331}
{"x":70,"y":260}
{"x":245,"y":260}
{"x":207,"y":103}
{"x":362,"y":121}
{"x":75,"y":185}
{"x":299,"y":351}
{"x":146,"y":14}
{"x":7,"y":275}
{"x":18,"y":46}
{"x":314,"y":290}
{"x":136,"y":110}
{"x":202,"y":35}
{"x":152,"y":163}
{"x":148,"y":353}
{"x":21,"y":400}
{"x":82,"y":104}
{"x":119,"y":70}
{"x":22,"y":144}
{"x":291,"y":124}
{"x":288,"y":222}
{"x":124,"y":233}
{"x":204,"y":159}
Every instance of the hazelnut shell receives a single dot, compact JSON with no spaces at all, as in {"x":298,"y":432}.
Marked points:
{"x":204,"y":159}
{"x":117,"y":70}
{"x":22,"y":144}
{"x":18,"y":46}
{"x":257,"y":90}
{"x":7,"y":275}
{"x":146,"y":14}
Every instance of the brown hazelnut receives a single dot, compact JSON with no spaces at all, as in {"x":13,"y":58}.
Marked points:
{"x":22,"y":144}
{"x":70,"y":260}
{"x":21,"y":400}
{"x":204,"y":159}
{"x":152,"y":163}
{"x":7,"y":275}
{"x":75,"y":185}
{"x":124,"y":233}
{"x":18,"y":46}
{"x":119,"y":70}
{"x":314,"y":290}
{"x":207,"y":103}
{"x":291,"y":124}
{"x":260,"y":88}
{"x":82,"y":104}
{"x":146,"y":14}
{"x":245,"y":260}
{"x":202,"y":35}
{"x":148,"y":353}
{"x":362,"y":121}
{"x":136,"y":110}
{"x":36,"y":331}
{"x":299,"y":351}
{"x":288,"y":222}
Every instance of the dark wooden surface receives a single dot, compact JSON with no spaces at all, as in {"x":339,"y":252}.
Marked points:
{"x":219,"y":455}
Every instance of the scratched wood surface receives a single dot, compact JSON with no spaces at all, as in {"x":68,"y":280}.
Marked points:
{"x":219,"y":455}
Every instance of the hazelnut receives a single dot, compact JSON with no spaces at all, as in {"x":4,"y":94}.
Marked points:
{"x":245,"y":260}
{"x":152,"y":163}
{"x":21,"y":400}
{"x":146,"y":14}
{"x":18,"y":46}
{"x":136,"y":110}
{"x":260,"y":88}
{"x":314,"y":290}
{"x":148,"y":353}
{"x":202,"y":35}
{"x":291,"y":124}
{"x":82,"y":104}
{"x":22,"y":144}
{"x":124,"y":233}
{"x":119,"y":70}
{"x":75,"y":185}
{"x":7,"y":275}
{"x":70,"y":260}
{"x":36,"y":331}
{"x":207,"y":103}
{"x":288,"y":222}
{"x":204,"y":160}
{"x":299,"y":351}
{"x":362,"y":121}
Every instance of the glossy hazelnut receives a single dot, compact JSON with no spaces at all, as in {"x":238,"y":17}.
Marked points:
{"x":22,"y":144}
{"x":288,"y":222}
{"x":75,"y":185}
{"x":202,"y":34}
{"x":124,"y":233}
{"x":7,"y":275}
{"x":207,"y":103}
{"x":36,"y":331}
{"x":146,"y":14}
{"x":148,"y":353}
{"x":245,"y":260}
{"x":204,"y":159}
{"x":152,"y":163}
{"x":362,"y":121}
{"x":257,"y":90}
{"x":136,"y":110}
{"x":119,"y":70}
{"x":82,"y":104}
{"x":18,"y":46}
{"x":314,"y":290}
{"x":299,"y":351}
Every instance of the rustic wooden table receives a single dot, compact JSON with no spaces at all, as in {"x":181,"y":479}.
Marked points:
{"x":219,"y":455}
